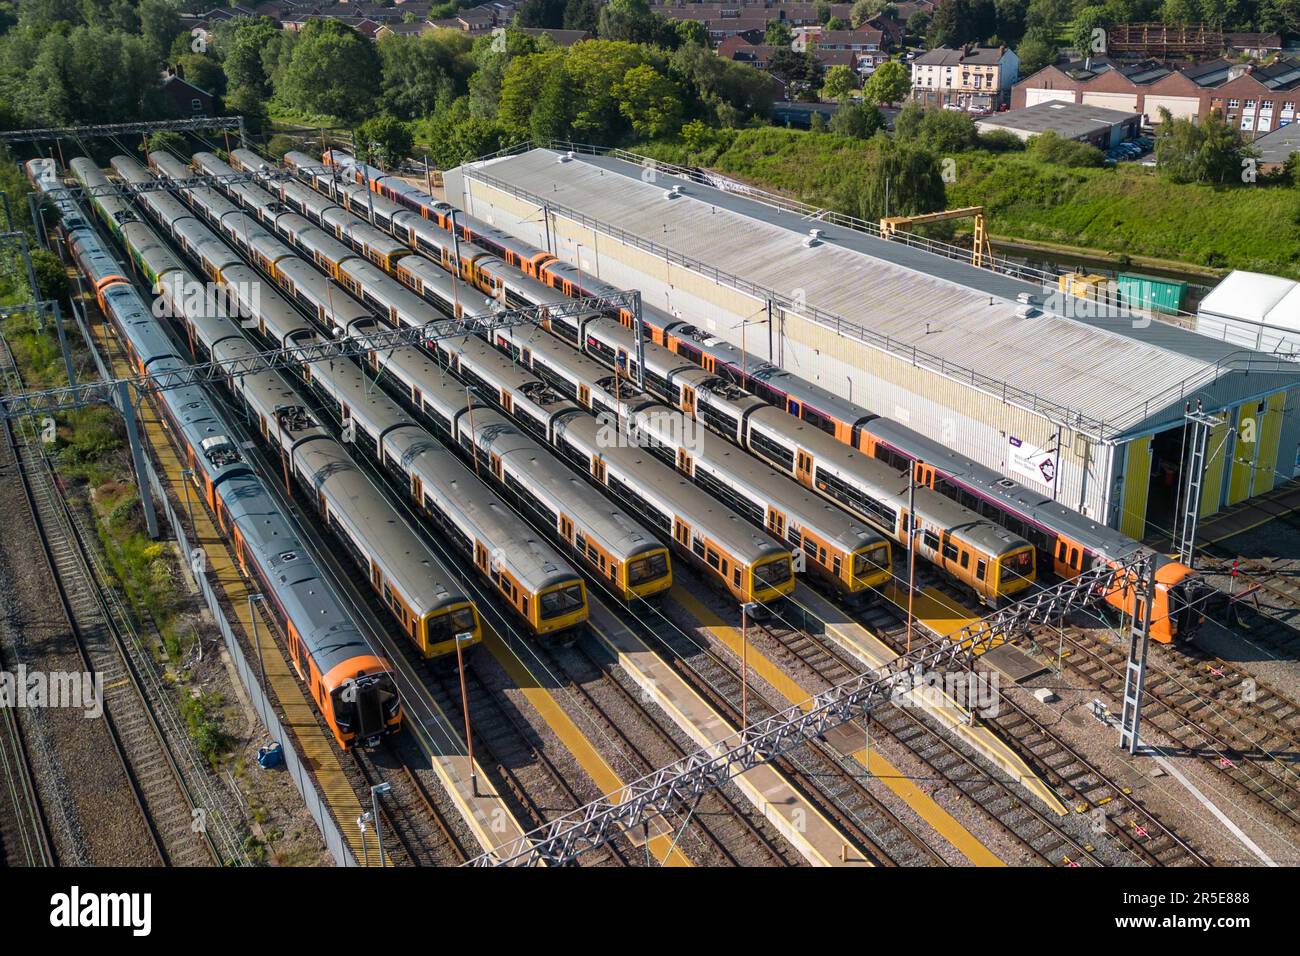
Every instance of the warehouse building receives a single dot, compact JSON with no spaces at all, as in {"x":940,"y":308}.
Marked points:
{"x":947,"y":348}
{"x":1095,"y":125}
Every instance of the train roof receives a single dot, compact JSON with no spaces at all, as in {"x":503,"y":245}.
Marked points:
{"x":538,"y":469}
{"x":368,"y":403}
{"x":478,"y":512}
{"x":169,"y":165}
{"x":307,"y":599}
{"x":391,"y":294}
{"x":371,"y":521}
{"x":340,"y":308}
{"x":658,"y":483}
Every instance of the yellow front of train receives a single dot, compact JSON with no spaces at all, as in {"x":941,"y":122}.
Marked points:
{"x":439,"y":629}
{"x":872,"y":568}
{"x":560,"y":607}
{"x":1016,"y":571}
{"x":771,"y":578}
{"x":647,"y":574}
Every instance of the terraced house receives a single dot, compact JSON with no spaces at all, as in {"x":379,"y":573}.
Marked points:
{"x":972,"y":77}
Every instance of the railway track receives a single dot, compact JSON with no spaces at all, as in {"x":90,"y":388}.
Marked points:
{"x":142,"y":728}
{"x":1251,"y":744}
{"x":1136,"y":835}
{"x":831,"y":782}
{"x":1037,"y":833}
{"x":25,"y":837}
{"x":410,"y":818}
{"x":727,"y":834}
{"x":507,"y":746}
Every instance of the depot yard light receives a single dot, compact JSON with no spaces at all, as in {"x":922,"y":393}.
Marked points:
{"x":463,"y":639}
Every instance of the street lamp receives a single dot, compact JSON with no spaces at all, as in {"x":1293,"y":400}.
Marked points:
{"x":747,"y":610}
{"x":462,"y":639}
{"x":377,"y":791}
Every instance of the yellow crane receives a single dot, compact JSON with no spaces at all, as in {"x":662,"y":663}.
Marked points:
{"x":981,"y":250}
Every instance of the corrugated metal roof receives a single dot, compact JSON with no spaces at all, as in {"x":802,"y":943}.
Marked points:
{"x":961,"y":317}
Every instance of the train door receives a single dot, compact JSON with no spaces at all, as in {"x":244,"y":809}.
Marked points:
{"x":688,"y":400}
{"x":598,"y":469}
{"x":684,"y":463}
{"x":495,"y":465}
{"x":792,"y":406}
{"x":923,"y":473}
{"x":526,"y":357}
{"x":709,"y":363}
{"x":480,"y":557}
{"x":507,"y":402}
{"x":584,"y":395}
{"x":566,"y":528}
{"x":803,"y":467}
{"x":776,"y":522}
{"x":681,"y":533}
{"x":417,"y":488}
{"x":1067,"y":559}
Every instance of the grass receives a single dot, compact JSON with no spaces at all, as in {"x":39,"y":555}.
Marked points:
{"x":1128,"y":210}
{"x":201,"y":712}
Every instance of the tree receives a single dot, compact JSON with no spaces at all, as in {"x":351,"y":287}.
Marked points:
{"x":166,"y":141}
{"x":898,"y":179}
{"x":581,"y":15}
{"x":1050,"y":147}
{"x":1211,"y":152}
{"x":858,"y":120}
{"x":1036,"y":51}
{"x":333,"y":70}
{"x":384,"y":138}
{"x":840,"y":83}
{"x":835,"y":23}
{"x":51,"y":274}
{"x":88,"y":75}
{"x":890,"y":83}
{"x":918,"y":23}
{"x":801,"y":72}
{"x":778,"y":35}
{"x":247,"y":102}
{"x":204,"y":72}
{"x":1179,"y":12}
{"x":628,"y":20}
{"x":864,"y":10}
{"x":1087,"y":20}
{"x":650,"y":101}
{"x":691,"y":31}
{"x":540,"y":13}
{"x":942,"y":132}
{"x":160,"y":23}
{"x":823,"y":10}
{"x":729,"y":93}
{"x":417,"y":70}
{"x":241,"y":44}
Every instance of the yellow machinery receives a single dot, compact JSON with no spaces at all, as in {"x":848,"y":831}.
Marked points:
{"x":981,"y":250}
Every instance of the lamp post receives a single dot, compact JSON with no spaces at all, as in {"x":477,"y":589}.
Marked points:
{"x":377,"y":791}
{"x":463,"y":638}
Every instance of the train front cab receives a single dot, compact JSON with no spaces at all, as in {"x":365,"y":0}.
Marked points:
{"x":359,"y":700}
{"x":870,"y":569}
{"x":1015,"y":572}
{"x":560,"y":607}
{"x":646,"y":575}
{"x":1174,"y":613}
{"x":438,"y":629}
{"x":769,"y":579}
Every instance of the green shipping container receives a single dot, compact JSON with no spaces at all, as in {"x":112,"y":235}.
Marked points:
{"x":1144,"y":292}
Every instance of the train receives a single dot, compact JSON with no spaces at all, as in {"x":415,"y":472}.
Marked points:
{"x":351,"y":684}
{"x":420,"y":592}
{"x":539,"y":585}
{"x":1065,"y":541}
{"x":750,"y":564}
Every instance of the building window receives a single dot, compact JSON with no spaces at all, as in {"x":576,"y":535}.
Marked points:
{"x":1267,"y":105}
{"x":1250,"y":104}
{"x":196,"y":106}
{"x":1288,"y":107}
{"x":1233,"y":104}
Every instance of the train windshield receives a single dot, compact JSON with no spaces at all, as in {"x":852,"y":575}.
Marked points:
{"x":1018,"y":566}
{"x":562,"y":601}
{"x":650,"y":568}
{"x":773,"y":573}
{"x":461,"y":620}
{"x":365,"y":704}
{"x":870,"y":560}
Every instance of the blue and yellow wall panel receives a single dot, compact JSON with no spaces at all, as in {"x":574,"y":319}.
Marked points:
{"x":1217,"y":452}
{"x":1137,"y":485}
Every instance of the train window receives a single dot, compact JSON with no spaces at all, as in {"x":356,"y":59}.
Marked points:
{"x":821,"y":559}
{"x":835,"y":566}
{"x":711,"y":556}
{"x":771,"y":449}
{"x":1074,"y":557}
{"x":965,"y":559}
{"x":931,"y":540}
{"x":1060,"y":550}
{"x":698,"y":547}
{"x":980,"y":569}
{"x":950,"y":551}
{"x":735,"y":577}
